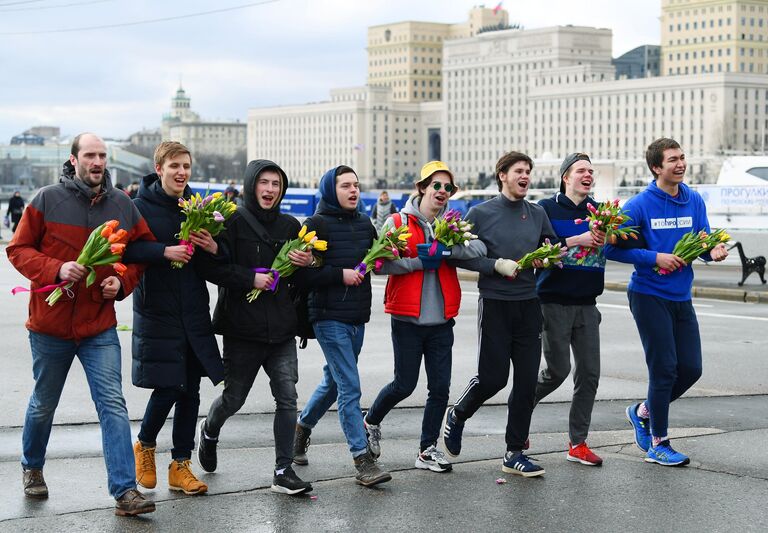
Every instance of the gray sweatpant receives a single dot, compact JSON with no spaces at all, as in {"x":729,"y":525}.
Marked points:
{"x":577,"y":327}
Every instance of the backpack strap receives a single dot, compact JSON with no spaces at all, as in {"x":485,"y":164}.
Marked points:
{"x":254,"y":224}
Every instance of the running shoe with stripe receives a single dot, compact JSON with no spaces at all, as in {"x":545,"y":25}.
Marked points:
{"x":520,"y":464}
{"x":582,"y":454}
{"x":452,"y":433}
{"x":641,"y":426}
{"x":665,"y":455}
{"x":373,"y":435}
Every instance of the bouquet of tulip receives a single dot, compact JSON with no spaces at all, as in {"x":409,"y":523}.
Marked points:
{"x":607,"y":217}
{"x":549,"y":254}
{"x":451,"y":230}
{"x":391,"y":244}
{"x":695,"y":243}
{"x":207,"y":213}
{"x":104,"y":246}
{"x":282,"y":266}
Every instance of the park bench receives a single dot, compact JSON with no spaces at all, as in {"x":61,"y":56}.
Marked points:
{"x":749,"y":264}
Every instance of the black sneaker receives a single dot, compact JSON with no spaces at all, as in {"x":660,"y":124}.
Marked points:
{"x":368,"y":472}
{"x":206,"y":450}
{"x":301,"y":445}
{"x":289,"y":483}
{"x":452,"y":433}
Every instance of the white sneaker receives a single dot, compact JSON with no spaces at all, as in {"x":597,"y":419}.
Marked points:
{"x":434,"y":460}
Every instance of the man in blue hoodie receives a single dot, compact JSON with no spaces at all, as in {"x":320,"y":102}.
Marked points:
{"x":571,"y":318}
{"x":339,"y":307}
{"x":661,"y":304}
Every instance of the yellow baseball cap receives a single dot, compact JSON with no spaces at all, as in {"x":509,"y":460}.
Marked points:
{"x":432,"y":167}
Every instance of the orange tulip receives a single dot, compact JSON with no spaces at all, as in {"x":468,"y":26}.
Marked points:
{"x":120,"y":268}
{"x":112,"y":224}
{"x":106,"y":232}
{"x":117,"y":248}
{"x":122,"y":235}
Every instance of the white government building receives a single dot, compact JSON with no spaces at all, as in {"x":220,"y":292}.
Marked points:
{"x":544,"y":91}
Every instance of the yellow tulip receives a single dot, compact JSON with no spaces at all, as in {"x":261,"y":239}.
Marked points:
{"x":320,"y":246}
{"x":308,"y":236}
{"x":404,"y":236}
{"x":216,"y":194}
{"x":302,"y":232}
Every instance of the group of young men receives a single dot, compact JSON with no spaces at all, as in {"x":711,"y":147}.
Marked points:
{"x":519,"y":312}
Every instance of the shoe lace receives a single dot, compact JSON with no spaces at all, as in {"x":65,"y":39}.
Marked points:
{"x":36,"y":476}
{"x":147,"y":458}
{"x":305,"y":444}
{"x":186,"y":472}
{"x":433,"y":453}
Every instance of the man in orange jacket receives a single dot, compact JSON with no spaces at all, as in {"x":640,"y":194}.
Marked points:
{"x":52,"y":231}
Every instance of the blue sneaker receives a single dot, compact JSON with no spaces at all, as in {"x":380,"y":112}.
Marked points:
{"x":642,"y":429}
{"x":520,"y":464}
{"x":452,"y":434}
{"x":663,"y":454}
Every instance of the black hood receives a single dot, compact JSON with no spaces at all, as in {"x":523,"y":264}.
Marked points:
{"x":252,"y":172}
{"x":151,"y":189}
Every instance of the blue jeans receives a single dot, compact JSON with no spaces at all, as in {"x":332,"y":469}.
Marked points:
{"x":410,"y":342}
{"x":100,"y":356}
{"x":341,"y":344}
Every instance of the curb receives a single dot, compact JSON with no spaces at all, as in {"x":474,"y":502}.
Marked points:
{"x":715,"y":293}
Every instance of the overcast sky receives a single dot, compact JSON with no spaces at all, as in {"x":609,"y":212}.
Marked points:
{"x":117,"y":80}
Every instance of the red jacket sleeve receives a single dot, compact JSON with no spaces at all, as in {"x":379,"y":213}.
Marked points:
{"x":24,"y":250}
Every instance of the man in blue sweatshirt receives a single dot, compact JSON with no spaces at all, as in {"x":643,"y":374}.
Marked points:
{"x":661,"y":304}
{"x":571,"y":318}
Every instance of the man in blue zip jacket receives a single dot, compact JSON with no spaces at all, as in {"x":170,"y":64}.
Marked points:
{"x":661,"y":304}
{"x":568,"y":304}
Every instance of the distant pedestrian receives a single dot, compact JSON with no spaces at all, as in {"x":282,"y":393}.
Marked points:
{"x":568,"y":305}
{"x":52,"y":231}
{"x":382,"y":210}
{"x":15,"y":210}
{"x":661,"y":304}
{"x":173,"y":341}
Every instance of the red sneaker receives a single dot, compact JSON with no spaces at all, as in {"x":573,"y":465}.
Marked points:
{"x":582,"y":454}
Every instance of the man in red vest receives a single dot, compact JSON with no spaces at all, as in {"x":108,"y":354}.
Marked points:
{"x":423,"y":297}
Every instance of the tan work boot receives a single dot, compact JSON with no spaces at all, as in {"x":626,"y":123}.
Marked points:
{"x":146,"y":476}
{"x":132,"y":503}
{"x":180,"y":477}
{"x":34,"y":483}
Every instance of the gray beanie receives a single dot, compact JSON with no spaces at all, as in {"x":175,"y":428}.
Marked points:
{"x":568,"y":162}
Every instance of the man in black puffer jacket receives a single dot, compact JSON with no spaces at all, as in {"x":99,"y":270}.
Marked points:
{"x":173,"y":341}
{"x":261,"y":334}
{"x":339,"y":307}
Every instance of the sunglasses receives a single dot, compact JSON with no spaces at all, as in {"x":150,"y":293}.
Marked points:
{"x":448,"y":187}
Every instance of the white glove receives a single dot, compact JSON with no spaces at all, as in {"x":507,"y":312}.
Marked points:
{"x":505,"y":267}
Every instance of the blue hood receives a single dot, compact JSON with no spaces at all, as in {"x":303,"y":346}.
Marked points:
{"x":328,"y":188}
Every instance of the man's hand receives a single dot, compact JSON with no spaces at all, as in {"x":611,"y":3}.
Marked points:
{"x":204,"y":240}
{"x":299,"y":258}
{"x":110,"y":287}
{"x":588,"y":239}
{"x":72,"y":271}
{"x":180,"y":252}
{"x":538,"y":263}
{"x":506,"y":267}
{"x":598,"y":238}
{"x":669,"y":262}
{"x":263,"y":281}
{"x":352,"y":278}
{"x":719,"y":252}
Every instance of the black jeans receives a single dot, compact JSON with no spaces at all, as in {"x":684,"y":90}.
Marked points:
{"x":187,"y":404}
{"x":242,"y":361}
{"x":509,"y":331}
{"x":409,"y":342}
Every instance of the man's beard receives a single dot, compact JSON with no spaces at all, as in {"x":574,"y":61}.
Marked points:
{"x":87,"y":178}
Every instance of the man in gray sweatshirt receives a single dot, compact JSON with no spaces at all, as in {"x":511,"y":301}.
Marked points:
{"x":509,"y":318}
{"x":423,"y":296}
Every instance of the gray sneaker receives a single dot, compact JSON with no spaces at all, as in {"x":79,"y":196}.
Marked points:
{"x":373,"y":434}
{"x":368,"y":472}
{"x":34,"y":483}
{"x":301,"y":445}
